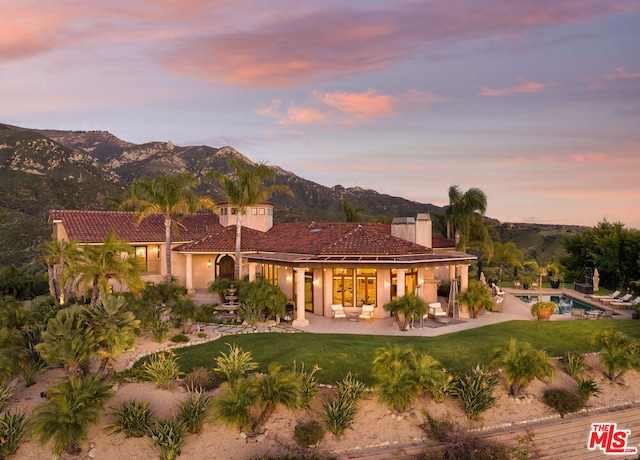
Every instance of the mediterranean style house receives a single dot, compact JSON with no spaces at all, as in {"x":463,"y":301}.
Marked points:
{"x":315,"y":264}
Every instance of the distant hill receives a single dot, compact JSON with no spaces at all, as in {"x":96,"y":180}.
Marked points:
{"x":44,"y":169}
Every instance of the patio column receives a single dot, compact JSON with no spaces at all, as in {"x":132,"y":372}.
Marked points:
{"x":452,"y":272}
{"x":402,"y":286}
{"x":252,"y":271}
{"x":464,"y":277}
{"x":189,"y":272}
{"x":300,"y":320}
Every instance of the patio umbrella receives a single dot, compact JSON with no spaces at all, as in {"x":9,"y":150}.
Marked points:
{"x":596,"y":280}
{"x":454,"y":304}
{"x":483,"y":279}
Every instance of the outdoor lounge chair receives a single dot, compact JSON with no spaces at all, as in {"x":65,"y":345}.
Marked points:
{"x":577,"y":313}
{"x":435,"y":309}
{"x":613,"y":295}
{"x":625,"y":303}
{"x":624,"y":298}
{"x":338,"y":312}
{"x":367,"y":312}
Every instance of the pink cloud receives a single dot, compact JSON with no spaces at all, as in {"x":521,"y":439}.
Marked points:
{"x":302,"y":115}
{"x":360,"y":106}
{"x":270,"y":110}
{"x":589,"y":158}
{"x":525,"y":86}
{"x":620,"y":74}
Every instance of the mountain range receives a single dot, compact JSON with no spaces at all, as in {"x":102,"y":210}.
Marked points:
{"x":45,"y":169}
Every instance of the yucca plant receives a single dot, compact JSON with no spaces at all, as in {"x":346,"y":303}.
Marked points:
{"x":162,"y":369}
{"x":12,"y":426}
{"x":6,"y":393}
{"x":308,"y":382}
{"x":475,"y":391}
{"x":587,"y":387}
{"x":168,"y":436}
{"x":193,"y":412}
{"x":574,"y":364}
{"x":132,"y":418}
{"x":235,"y":364}
{"x":341,"y":412}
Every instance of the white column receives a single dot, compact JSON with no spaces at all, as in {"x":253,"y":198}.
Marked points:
{"x":300,"y":320}
{"x":189,"y":272}
{"x":252,"y":271}
{"x":464,"y":277}
{"x":402,"y":285}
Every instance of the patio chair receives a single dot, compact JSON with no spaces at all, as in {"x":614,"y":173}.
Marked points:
{"x":607,"y":314}
{"x":338,"y":312}
{"x":435,"y":309}
{"x":624,"y":298}
{"x":366,"y":312}
{"x":577,"y":313}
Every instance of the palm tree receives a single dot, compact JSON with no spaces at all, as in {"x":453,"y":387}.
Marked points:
{"x":352,"y":214}
{"x":618,"y":353}
{"x":274,"y":389}
{"x":112,"y":259}
{"x":464,"y":217}
{"x":116,"y":329}
{"x":69,"y":341}
{"x":74,"y":405}
{"x":246,"y":188}
{"x":169,"y":196}
{"x":397,"y":382}
{"x":506,"y":254}
{"x":476,"y":297}
{"x":406,"y":307}
{"x":57,"y":255}
{"x":264,"y":297}
{"x":187,"y":311}
{"x":521,"y":363}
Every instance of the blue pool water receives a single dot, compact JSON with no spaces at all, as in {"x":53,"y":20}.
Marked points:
{"x":565,"y":304}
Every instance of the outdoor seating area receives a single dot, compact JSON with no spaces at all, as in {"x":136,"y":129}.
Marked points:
{"x":366,"y":313}
{"x":337,"y":312}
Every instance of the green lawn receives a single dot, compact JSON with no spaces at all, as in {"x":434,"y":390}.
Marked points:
{"x":338,"y":354}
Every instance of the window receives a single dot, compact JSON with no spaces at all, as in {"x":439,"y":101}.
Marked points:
{"x":262,"y":211}
{"x":343,"y":286}
{"x":270,"y":272}
{"x":366,"y":286}
{"x":271,"y":211}
{"x":254,"y":211}
{"x":410,"y":282}
{"x":364,"y":280}
{"x":234,"y":211}
{"x":223,"y":211}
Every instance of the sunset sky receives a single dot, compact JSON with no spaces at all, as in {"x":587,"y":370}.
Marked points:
{"x":535,"y":102}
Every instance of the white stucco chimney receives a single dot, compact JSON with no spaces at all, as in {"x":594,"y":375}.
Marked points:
{"x":418,"y":230}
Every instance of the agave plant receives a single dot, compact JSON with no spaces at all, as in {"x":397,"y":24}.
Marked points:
{"x":132,"y":418}
{"x":168,"y":436}
{"x":193,"y":412}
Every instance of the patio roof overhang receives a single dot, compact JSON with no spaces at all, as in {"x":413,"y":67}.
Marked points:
{"x":379,"y":260}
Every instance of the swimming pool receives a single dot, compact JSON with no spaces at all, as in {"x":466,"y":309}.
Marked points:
{"x":565,"y":304}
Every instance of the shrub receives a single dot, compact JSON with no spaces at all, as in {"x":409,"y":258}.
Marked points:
{"x":12,"y":426}
{"x":563,"y":401}
{"x":201,"y":335}
{"x":235,"y":364}
{"x":202,"y":379}
{"x":574,"y":363}
{"x":308,"y":434}
{"x":162,"y":369}
{"x":341,"y":412}
{"x":475,"y":391}
{"x":159,"y":329}
{"x":168,"y":436}
{"x":193,"y":411}
{"x":6,"y":394}
{"x":521,"y":364}
{"x":618,"y":353}
{"x":440,"y":385}
{"x":134,"y":373}
{"x":587,"y":388}
{"x":132,"y":418}
{"x":179,"y":338}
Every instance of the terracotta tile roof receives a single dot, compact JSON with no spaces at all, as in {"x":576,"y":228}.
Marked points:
{"x":94,"y":226}
{"x":224,"y":240}
{"x":437,"y":242}
{"x":336,"y":238}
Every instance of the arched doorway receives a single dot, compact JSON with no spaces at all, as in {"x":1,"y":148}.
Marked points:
{"x":226,"y":266}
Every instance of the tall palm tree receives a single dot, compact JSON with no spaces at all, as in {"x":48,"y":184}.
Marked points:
{"x":352,"y":214}
{"x":169,"y":196}
{"x":58,"y":255}
{"x":464,"y":217}
{"x":73,"y":405}
{"x":506,"y":254}
{"x":245,"y":187}
{"x":112,"y":259}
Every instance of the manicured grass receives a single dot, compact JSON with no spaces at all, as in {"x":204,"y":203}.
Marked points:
{"x":338,"y":354}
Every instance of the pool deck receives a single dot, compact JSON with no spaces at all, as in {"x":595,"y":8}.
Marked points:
{"x":513,"y":309}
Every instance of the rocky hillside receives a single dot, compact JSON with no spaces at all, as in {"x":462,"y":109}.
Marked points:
{"x":43,"y":169}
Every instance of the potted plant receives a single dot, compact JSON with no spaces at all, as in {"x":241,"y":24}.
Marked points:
{"x":526,"y":281}
{"x":554,"y":272}
{"x":543,"y":310}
